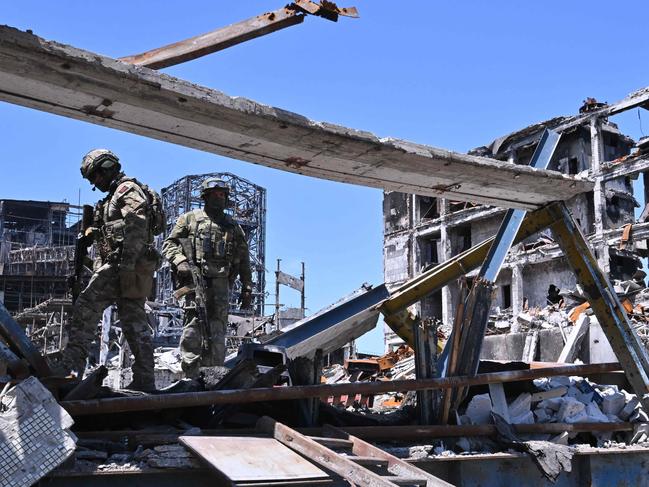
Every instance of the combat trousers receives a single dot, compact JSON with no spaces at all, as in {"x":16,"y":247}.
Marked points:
{"x":194,"y":354}
{"x":102,"y":291}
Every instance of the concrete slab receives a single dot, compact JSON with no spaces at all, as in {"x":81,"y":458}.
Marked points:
{"x":83,"y":85}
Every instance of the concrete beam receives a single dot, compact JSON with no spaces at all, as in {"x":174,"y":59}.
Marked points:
{"x":79,"y":84}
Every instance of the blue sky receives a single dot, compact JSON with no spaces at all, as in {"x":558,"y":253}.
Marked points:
{"x":449,"y":74}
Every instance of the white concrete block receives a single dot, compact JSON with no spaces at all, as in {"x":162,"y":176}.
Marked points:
{"x":612,"y":401}
{"x":521,"y":405}
{"x":542,"y":415}
{"x":595,"y":414}
{"x":569,"y":409}
{"x":479,"y":409}
{"x":554,"y":403}
{"x":525,"y":418}
{"x":628,"y":410}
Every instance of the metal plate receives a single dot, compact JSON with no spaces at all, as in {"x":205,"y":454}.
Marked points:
{"x":245,"y":458}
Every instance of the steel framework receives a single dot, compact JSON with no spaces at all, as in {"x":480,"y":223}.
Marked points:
{"x":248,"y":207}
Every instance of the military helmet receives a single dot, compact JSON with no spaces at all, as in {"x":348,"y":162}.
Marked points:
{"x":97,"y":158}
{"x":214,"y":183}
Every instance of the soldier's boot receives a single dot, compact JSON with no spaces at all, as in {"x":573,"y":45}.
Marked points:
{"x":143,"y":370}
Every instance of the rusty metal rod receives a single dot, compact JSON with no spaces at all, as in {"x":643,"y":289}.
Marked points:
{"x":372,"y":433}
{"x":204,"y":44}
{"x":191,"y":399}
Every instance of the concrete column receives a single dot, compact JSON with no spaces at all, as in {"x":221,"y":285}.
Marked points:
{"x":645,"y":183}
{"x":517,"y":292}
{"x":599,"y":197}
{"x":445,"y":253}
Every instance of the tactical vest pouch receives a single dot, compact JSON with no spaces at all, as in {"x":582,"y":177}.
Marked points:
{"x":144,"y":270}
{"x":155,"y":209}
{"x":114,"y":233}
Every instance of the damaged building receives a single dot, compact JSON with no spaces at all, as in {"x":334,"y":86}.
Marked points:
{"x":36,"y":251}
{"x":421,"y":232}
{"x":431,"y":413}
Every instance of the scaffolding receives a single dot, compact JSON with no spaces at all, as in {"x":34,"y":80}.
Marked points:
{"x":248,"y":208}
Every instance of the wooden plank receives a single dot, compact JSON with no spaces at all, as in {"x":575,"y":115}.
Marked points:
{"x":323,"y":456}
{"x":83,"y":85}
{"x":247,"y":459}
{"x":396,"y":466}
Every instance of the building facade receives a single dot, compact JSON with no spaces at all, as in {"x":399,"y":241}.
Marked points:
{"x":421,"y":232}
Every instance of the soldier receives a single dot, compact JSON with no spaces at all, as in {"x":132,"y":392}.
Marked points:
{"x":209,"y":242}
{"x":123,"y":228}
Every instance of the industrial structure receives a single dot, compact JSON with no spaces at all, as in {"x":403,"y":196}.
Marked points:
{"x":274,"y":387}
{"x":423,"y":231}
{"x":36,"y":251}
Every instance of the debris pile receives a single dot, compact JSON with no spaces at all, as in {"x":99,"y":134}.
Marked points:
{"x":560,"y":400}
{"x":565,"y":308}
{"x":396,"y":365}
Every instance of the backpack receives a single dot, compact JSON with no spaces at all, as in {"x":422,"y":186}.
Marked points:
{"x":157,"y":218}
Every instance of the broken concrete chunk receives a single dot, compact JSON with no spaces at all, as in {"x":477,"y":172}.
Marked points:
{"x":595,"y":415}
{"x":559,"y":381}
{"x":549,"y":394}
{"x":479,"y":409}
{"x":525,"y":418}
{"x":628,"y":410}
{"x":521,"y":405}
{"x":612,"y":401}
{"x":553,"y":404}
{"x":570,"y":409}
{"x":640,"y":433}
{"x":542,"y":415}
{"x":525,"y":318}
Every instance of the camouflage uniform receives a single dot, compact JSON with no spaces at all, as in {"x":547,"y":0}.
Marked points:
{"x":124,"y":241}
{"x":220,"y":252}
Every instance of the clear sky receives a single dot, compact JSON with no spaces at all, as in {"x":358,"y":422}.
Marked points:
{"x":453,"y":75}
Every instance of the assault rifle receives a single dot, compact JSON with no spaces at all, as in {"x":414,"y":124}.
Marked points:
{"x":197,"y":287}
{"x":81,"y":252}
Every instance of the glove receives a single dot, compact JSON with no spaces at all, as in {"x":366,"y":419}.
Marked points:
{"x":184,"y":272}
{"x":245,"y":299}
{"x":128,"y":283}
